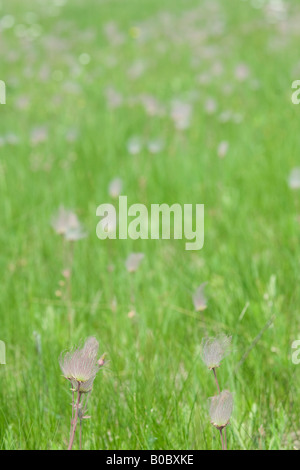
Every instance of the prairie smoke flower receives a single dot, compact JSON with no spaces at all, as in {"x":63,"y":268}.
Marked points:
{"x":12,"y":139}
{"x":134,"y":146}
{"x":210,"y":106}
{"x":67,"y":224}
{"x":115,"y":187}
{"x":113,"y":34}
{"x":223,"y":148}
{"x":220,"y":409}
{"x":81,"y":365}
{"x":137,"y":69}
{"x":71,"y":135}
{"x":275,"y":11}
{"x":225,"y":116}
{"x":75,"y":233}
{"x":133,"y":261}
{"x":294,"y":179}
{"x":38,"y":135}
{"x":22,"y":102}
{"x":181,"y":114}
{"x":199,"y":298}
{"x":151,"y":105}
{"x":215,"y":349}
{"x":155,"y":146}
{"x":63,"y":220}
{"x":114,"y":99}
{"x":241,"y":72}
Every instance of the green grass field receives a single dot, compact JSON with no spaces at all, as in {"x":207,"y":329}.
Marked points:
{"x":85,"y":79}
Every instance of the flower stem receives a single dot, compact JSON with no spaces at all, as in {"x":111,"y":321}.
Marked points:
{"x":72,"y":413}
{"x":218,"y":387}
{"x":80,"y":434}
{"x":221,"y":434}
{"x":75,"y":419}
{"x":217,"y":383}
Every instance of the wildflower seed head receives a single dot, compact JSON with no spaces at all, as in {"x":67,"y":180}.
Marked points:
{"x":215,"y":349}
{"x":66,"y":223}
{"x":115,"y":187}
{"x":80,"y":366}
{"x":199,"y":298}
{"x":294,"y":178}
{"x":221,"y":409}
{"x":133,"y":261}
{"x":64,"y":220}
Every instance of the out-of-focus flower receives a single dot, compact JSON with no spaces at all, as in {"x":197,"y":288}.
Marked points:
{"x":81,"y":365}
{"x":220,"y":409}
{"x":133,"y":261}
{"x":210,"y":106}
{"x":134,"y":146}
{"x":113,"y":34}
{"x":223,"y":148}
{"x":62,"y":220}
{"x":137,"y":69}
{"x":74,"y":234}
{"x":38,"y":135}
{"x":294,"y":179}
{"x":275,"y":10}
{"x":225,"y":116}
{"x":241,"y":72}
{"x":66,"y":223}
{"x":181,"y":113}
{"x":151,"y":105}
{"x":114,"y":99}
{"x":204,"y":78}
{"x":22,"y":102}
{"x":12,"y":139}
{"x":199,"y":298}
{"x":115,"y":187}
{"x":215,"y":349}
{"x":71,"y":87}
{"x":155,"y":146}
{"x":71,"y":135}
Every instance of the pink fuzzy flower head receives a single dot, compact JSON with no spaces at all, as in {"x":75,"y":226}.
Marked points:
{"x":215,"y":349}
{"x":133,"y":261}
{"x":66,"y":223}
{"x":199,"y":298}
{"x":115,"y":187}
{"x":80,"y":366}
{"x":220,"y":409}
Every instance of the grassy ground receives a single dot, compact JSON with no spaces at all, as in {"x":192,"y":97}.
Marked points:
{"x":58,"y":62}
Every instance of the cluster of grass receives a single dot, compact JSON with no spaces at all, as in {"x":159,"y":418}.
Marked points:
{"x":58,"y":60}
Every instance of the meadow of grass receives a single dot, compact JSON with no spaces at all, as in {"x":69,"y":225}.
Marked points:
{"x":84,"y":78}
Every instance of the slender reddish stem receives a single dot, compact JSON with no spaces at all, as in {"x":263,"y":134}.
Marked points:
{"x":218,"y":387}
{"x":80,"y":434}
{"x":221,"y":434}
{"x":217,"y":383}
{"x":72,"y":413}
{"x":75,"y":419}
